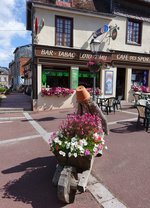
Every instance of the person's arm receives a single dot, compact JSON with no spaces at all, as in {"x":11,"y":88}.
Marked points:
{"x":79,"y":109}
{"x":97,"y":111}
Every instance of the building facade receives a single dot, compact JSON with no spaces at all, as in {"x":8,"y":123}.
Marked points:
{"x":61,"y":35}
{"x":21,"y":55}
{"x":4,"y":77}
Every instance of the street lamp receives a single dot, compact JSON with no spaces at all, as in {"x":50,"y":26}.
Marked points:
{"x":94,"y":46}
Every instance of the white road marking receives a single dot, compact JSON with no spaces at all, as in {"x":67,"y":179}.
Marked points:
{"x":129,"y":112}
{"x":38,"y":128}
{"x":5,"y":122}
{"x":19,"y":139}
{"x":11,"y":118}
{"x":115,"y":122}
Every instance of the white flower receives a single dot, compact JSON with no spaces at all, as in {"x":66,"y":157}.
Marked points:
{"x":80,"y":148}
{"x":73,"y":139}
{"x":75,"y":154}
{"x":83,"y":142}
{"x":56,"y":140}
{"x":69,"y":154}
{"x":95,"y":148}
{"x":74,"y":144}
{"x":62,"y":153}
{"x":61,"y":136}
{"x":95,"y":135}
{"x":102,"y":139}
{"x":68,"y":145}
{"x":106,"y":147}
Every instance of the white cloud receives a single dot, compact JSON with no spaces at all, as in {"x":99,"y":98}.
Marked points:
{"x":12,"y":28}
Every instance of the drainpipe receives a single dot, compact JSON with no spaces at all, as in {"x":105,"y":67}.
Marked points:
{"x":34,"y":66}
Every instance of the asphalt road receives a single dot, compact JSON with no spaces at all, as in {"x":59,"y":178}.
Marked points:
{"x":27,"y":166}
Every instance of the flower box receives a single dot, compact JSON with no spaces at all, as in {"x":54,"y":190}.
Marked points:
{"x":78,"y":140}
{"x":81,"y":163}
{"x":58,"y":91}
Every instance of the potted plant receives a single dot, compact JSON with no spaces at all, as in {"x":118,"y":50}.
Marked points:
{"x":58,"y":91}
{"x":95,"y":64}
{"x":78,"y":139}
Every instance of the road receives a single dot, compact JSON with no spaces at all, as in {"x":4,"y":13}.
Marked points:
{"x":27,"y":166}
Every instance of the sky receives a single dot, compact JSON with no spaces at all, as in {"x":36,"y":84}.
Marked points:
{"x":13,"y":31}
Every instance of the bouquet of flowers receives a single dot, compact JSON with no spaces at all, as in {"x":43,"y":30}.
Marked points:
{"x":78,"y":136}
{"x":58,"y":91}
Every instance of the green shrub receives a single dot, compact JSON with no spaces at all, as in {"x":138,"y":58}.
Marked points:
{"x":2,"y":89}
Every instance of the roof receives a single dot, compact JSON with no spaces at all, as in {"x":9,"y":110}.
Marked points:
{"x":24,"y":46}
{"x":139,"y":9}
{"x":84,"y":6}
{"x":3,"y":70}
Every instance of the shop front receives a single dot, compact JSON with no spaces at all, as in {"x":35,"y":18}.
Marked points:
{"x":133,"y":69}
{"x":58,"y":71}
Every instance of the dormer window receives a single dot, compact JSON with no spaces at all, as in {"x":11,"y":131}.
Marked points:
{"x":64,"y":3}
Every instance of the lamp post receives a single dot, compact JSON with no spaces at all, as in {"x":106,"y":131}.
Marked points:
{"x":94,"y":46}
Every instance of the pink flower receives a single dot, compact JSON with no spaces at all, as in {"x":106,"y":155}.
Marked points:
{"x":87,"y":152}
{"x":58,"y":91}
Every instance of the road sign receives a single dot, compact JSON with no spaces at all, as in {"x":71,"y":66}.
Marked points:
{"x":100,"y":31}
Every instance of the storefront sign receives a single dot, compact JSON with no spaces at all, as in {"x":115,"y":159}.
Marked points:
{"x":83,"y":55}
{"x":114,"y":34}
{"x":131,"y":58}
{"x":73,"y":55}
{"x":74,"y":77}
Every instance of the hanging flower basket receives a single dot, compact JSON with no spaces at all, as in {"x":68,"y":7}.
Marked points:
{"x":95,"y":65}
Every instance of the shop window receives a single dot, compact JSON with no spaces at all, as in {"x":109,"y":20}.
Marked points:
{"x":64,"y":31}
{"x":55,"y":78}
{"x":86,"y":79}
{"x":139,"y":77}
{"x":134,"y":32}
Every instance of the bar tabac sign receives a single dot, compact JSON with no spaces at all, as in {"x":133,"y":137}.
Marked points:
{"x":70,"y":54}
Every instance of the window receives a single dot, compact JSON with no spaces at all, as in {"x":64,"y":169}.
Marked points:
{"x":55,"y":78}
{"x":67,"y":1}
{"x":64,"y":31}
{"x":139,"y":77}
{"x":134,"y":32}
{"x":64,"y":3}
{"x":86,"y":79}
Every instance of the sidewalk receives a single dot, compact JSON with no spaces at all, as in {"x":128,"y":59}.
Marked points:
{"x":15,"y":101}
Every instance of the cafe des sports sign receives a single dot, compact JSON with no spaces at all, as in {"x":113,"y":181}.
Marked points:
{"x":85,"y":55}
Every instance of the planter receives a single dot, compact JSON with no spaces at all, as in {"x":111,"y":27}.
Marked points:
{"x":80,"y":162}
{"x":94,"y":68}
